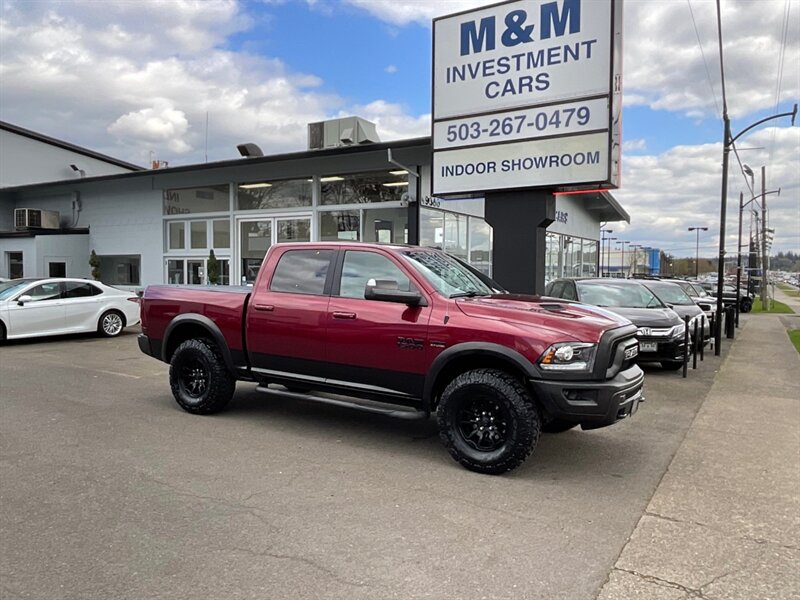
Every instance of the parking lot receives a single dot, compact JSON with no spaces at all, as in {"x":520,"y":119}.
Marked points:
{"x":110,"y":490}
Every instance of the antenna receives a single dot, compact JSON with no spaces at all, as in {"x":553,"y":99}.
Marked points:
{"x":206,"y":136}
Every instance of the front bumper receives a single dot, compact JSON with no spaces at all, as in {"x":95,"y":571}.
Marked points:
{"x":667,"y":349}
{"x":592,"y":404}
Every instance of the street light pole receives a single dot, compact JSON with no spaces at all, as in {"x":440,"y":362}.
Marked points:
{"x":748,"y":171}
{"x":727,"y":143}
{"x":697,"y":250}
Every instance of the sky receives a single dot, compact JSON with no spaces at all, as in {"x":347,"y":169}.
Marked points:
{"x":186,"y":82}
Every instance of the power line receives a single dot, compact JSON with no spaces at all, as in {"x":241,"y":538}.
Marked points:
{"x":699,"y":43}
{"x":781,"y":62}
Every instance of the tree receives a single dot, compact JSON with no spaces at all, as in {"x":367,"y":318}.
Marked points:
{"x":212,"y":269}
{"x":94,"y":262}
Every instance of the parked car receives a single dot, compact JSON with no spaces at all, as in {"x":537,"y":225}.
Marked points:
{"x":55,"y":306}
{"x":405,"y":326}
{"x":660,"y":330}
{"x":672,"y":295}
{"x":729,"y":295}
{"x":706,"y":302}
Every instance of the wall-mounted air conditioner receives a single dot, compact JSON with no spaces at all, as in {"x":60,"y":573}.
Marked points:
{"x":36,"y":218}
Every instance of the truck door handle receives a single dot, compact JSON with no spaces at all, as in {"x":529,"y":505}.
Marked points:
{"x":344,"y":315}
{"x":264,"y":307}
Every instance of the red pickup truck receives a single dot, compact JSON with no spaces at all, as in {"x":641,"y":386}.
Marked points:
{"x":401,"y":327}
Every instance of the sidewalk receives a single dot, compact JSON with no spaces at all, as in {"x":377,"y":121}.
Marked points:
{"x":725,"y":520}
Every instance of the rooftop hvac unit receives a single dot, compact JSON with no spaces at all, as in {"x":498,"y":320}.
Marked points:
{"x":36,"y":218}
{"x":348,"y":131}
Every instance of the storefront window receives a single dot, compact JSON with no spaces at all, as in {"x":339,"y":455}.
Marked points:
{"x":386,"y":225}
{"x":222,"y":234}
{"x":294,"y":230}
{"x":431,"y":228}
{"x":589,"y":260}
{"x":175,"y":271}
{"x":381,"y":186}
{"x":177,"y":235}
{"x":480,"y":245}
{"x":262,"y":195}
{"x":197,"y":235}
{"x":215,"y":198}
{"x":552,"y":257}
{"x":455,"y":235}
{"x":339,"y":225}
{"x":120,"y":270}
{"x":256,"y":238}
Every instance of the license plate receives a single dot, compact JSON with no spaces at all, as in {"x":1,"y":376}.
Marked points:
{"x":648,"y":346}
{"x":635,"y":405}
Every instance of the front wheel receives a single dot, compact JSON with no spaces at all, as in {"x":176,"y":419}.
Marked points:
{"x":488,"y":422}
{"x":111,"y":323}
{"x":199,"y":379}
{"x":746,"y":305}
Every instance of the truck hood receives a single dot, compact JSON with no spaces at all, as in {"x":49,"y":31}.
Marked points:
{"x":582,"y":322}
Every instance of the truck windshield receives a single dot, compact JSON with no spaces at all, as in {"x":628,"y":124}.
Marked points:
{"x":446,"y":274}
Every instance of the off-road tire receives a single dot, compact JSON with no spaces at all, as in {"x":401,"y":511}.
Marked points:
{"x":517,"y":414}
{"x":199,"y":379}
{"x":111,"y":323}
{"x":557,"y":426}
{"x":671,"y":365}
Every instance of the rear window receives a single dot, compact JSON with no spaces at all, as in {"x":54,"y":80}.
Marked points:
{"x":302,"y":272}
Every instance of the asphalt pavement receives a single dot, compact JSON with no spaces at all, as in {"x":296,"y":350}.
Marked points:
{"x":109,"y":490}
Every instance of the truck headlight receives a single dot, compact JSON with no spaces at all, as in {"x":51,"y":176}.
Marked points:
{"x":568,"y":356}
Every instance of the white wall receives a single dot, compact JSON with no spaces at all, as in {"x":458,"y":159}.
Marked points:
{"x":24,"y":160}
{"x":120,"y":221}
{"x":70,"y":249}
{"x":25,"y":245}
{"x":580,"y":222}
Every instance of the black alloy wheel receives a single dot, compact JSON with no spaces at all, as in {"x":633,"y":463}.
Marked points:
{"x":488,"y":421}
{"x":199,"y":379}
{"x":483,"y":423}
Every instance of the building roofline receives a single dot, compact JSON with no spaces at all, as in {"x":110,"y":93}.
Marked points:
{"x":236,"y":162}
{"x":67,"y":146}
{"x":30,"y":233}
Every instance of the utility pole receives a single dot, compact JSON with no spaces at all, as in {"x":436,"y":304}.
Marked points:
{"x":697,"y":250}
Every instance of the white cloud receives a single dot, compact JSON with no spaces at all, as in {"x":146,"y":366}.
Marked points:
{"x":663,"y":63}
{"x":391,"y":69}
{"x":631,"y":145}
{"x":393,"y":121}
{"x":160,"y":125}
{"x":667,"y":193}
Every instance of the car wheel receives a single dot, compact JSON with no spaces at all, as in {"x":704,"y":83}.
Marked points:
{"x":488,"y":421}
{"x":672,"y":365}
{"x":111,"y":323}
{"x":199,"y":379}
{"x":746,"y":305}
{"x":557,"y":426}
{"x":2,"y":332}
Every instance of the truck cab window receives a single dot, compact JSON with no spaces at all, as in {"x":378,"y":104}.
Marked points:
{"x":360,"y":267}
{"x":302,"y":272}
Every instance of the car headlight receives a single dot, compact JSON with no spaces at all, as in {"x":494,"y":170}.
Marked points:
{"x":568,"y":356}
{"x":678,"y":330}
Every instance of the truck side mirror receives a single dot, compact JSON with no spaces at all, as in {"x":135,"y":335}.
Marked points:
{"x":385,"y":290}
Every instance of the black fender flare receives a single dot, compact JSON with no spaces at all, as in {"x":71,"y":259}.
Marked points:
{"x":474,"y":349}
{"x":207,"y":324}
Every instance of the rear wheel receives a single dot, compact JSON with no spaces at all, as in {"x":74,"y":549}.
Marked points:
{"x":199,"y":379}
{"x":488,"y":422}
{"x":111,"y":323}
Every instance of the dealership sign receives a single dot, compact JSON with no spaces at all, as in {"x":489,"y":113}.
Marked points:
{"x":527,"y":94}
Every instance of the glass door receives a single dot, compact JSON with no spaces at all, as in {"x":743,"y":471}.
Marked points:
{"x":257,"y":235}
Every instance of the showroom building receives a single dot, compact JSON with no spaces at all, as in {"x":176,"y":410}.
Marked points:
{"x":161,"y":225}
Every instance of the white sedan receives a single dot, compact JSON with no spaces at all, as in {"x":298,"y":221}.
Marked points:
{"x":55,"y":306}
